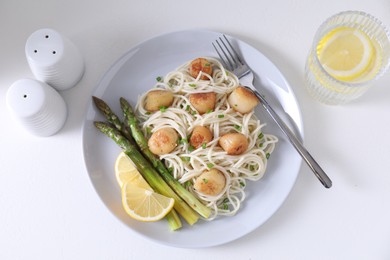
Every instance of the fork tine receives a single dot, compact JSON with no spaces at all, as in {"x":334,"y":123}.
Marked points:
{"x":231,"y":62}
{"x":236,"y":56}
{"x":220,"y":56}
{"x":228,"y":55}
{"x":224,"y":58}
{"x":235,"y":61}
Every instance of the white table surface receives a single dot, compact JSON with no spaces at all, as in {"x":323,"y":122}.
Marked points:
{"x":49,"y":208}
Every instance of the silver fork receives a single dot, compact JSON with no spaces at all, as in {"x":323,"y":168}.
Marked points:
{"x":235,"y":63}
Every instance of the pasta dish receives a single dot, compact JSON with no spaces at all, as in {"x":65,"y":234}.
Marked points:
{"x":201,"y":123}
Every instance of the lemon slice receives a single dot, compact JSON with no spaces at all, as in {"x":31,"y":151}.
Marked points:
{"x":144,"y":204}
{"x":125,"y":171}
{"x":346,"y":53}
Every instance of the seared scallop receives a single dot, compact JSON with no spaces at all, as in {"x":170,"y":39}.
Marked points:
{"x":200,"y":135}
{"x":203,"y":102}
{"x":163,"y":141}
{"x":157,"y":99}
{"x":243,"y":100}
{"x":210,"y":182}
{"x":198,"y":65}
{"x":234,"y":143}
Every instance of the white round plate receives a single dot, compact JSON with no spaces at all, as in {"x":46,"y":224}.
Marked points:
{"x":136,"y":72}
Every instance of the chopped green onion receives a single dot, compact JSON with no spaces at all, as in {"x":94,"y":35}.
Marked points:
{"x":267,"y":155}
{"x":148,"y":113}
{"x":185,"y":159}
{"x":242,"y":184}
{"x":207,"y":64}
{"x":209,"y":111}
{"x":237,"y":127}
{"x":163,"y":108}
{"x":191,"y":148}
{"x":183,"y":141}
{"x":205,"y":180}
{"x":225,"y":206}
{"x":187,"y":107}
{"x":192,"y":85}
{"x":261,"y":135}
{"x":221,"y":116}
{"x":210,"y":165}
{"x":204,"y":146}
{"x":159,"y":79}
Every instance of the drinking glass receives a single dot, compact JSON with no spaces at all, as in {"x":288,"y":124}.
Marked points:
{"x":331,"y":90}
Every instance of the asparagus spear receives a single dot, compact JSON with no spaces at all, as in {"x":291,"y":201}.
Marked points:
{"x":112,"y":118}
{"x":172,"y":217}
{"x":132,"y":122}
{"x":148,"y":172}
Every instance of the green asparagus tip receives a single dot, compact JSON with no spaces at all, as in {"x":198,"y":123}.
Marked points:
{"x":105,"y":127}
{"x":99,"y":103}
{"x":99,"y":124}
{"x":125,"y":104}
{"x":97,"y":100}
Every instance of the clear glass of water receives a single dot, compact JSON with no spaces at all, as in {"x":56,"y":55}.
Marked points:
{"x":350,"y":51}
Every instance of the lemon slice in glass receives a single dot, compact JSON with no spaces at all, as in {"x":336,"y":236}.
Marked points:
{"x":346,"y":53}
{"x":125,"y":171}
{"x":144,"y":204}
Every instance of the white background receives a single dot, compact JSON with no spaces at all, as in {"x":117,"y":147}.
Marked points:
{"x":48,"y":207}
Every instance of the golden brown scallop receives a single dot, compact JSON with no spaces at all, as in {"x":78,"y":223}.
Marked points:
{"x":203,"y":102}
{"x":243,"y":100}
{"x":158,"y":98}
{"x":234,"y":143}
{"x":163,"y":141}
{"x":198,"y":65}
{"x":210,"y":182}
{"x":200,"y":135}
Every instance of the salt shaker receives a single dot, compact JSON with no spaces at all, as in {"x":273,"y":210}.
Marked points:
{"x":54,"y":59}
{"x":38,"y":107}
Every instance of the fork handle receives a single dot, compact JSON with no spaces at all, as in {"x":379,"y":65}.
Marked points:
{"x":314,"y":166}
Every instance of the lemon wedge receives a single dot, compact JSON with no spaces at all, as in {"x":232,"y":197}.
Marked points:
{"x":125,"y":171}
{"x":144,"y":204}
{"x":346,"y":53}
{"x":138,"y":198}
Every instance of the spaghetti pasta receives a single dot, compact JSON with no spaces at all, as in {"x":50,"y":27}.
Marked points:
{"x":186,"y":162}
